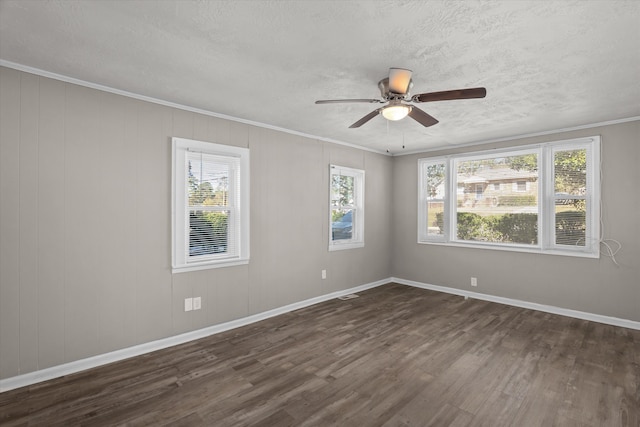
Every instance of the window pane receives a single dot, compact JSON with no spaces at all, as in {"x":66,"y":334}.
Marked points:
{"x":570,"y":186}
{"x":435,"y":181}
{"x":435,"y":188}
{"x":570,"y":172}
{"x":342,"y":224}
{"x":208,"y":182}
{"x":208,"y":233}
{"x":342,"y":190}
{"x":435,"y":218}
{"x":571,"y":224}
{"x":497,"y":199}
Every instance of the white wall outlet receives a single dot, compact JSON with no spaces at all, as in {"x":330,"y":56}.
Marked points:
{"x":188,"y":304}
{"x":474,"y":281}
{"x":197,"y":303}
{"x":324,"y":274}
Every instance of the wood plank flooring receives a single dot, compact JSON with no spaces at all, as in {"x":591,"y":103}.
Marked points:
{"x":396,"y":356}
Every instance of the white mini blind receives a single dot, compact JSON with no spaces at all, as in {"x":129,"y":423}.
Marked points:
{"x":212,"y":206}
{"x":570,"y":195}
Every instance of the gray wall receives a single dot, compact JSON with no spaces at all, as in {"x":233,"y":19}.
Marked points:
{"x":85,"y":227}
{"x":85,"y":187}
{"x":591,"y":285}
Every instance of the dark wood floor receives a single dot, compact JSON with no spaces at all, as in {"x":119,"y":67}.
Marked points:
{"x":395,"y":356}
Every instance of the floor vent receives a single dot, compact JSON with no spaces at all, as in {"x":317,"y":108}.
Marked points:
{"x":350,"y":296}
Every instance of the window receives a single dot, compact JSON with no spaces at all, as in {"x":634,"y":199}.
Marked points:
{"x":549,"y":202}
{"x":346,"y":222}
{"x":210,"y":205}
{"x":520,"y":186}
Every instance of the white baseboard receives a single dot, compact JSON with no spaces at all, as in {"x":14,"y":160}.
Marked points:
{"x":615,"y":321}
{"x":137,"y":350}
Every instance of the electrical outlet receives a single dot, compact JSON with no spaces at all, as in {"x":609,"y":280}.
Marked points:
{"x":324,"y":274}
{"x":188,"y":304}
{"x":197,"y":303}
{"x":474,"y":281}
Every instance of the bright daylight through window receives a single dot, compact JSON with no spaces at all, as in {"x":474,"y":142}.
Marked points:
{"x":210,"y":205}
{"x":542,"y":198}
{"x":346,"y":222}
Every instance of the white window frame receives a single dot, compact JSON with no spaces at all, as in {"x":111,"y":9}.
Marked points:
{"x":357,"y":240}
{"x":546,"y":199}
{"x":238,"y":204}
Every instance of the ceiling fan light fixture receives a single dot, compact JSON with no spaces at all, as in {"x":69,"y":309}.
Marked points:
{"x":394,"y":92}
{"x":396,"y":112}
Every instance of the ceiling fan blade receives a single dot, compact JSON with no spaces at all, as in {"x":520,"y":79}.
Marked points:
{"x":399,"y":80}
{"x":365,"y":119}
{"x":344,"y":101}
{"x":448,"y":95}
{"x":421,"y":117}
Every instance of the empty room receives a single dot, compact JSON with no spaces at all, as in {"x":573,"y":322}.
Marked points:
{"x":319,"y":213}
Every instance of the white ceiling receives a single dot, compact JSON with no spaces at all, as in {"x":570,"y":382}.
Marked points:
{"x":546,"y":64}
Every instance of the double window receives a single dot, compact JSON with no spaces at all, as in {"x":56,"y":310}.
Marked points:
{"x":346,"y":208}
{"x":543,"y":198}
{"x":210,"y":205}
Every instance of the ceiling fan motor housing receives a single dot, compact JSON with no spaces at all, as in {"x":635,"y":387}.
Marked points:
{"x":387,"y":94}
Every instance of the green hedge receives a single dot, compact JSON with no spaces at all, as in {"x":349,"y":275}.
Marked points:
{"x":508,"y":228}
{"x":519,"y":200}
{"x":571,"y":227}
{"x":517,"y":227}
{"x":208,"y":231}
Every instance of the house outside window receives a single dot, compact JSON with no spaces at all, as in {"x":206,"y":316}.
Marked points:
{"x":346,"y":211}
{"x":210,"y":212}
{"x":542,"y":198}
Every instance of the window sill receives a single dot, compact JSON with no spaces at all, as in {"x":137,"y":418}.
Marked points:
{"x":515,"y":248}
{"x":341,"y":246}
{"x":208,"y":265}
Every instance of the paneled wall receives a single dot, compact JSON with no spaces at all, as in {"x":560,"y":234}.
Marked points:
{"x":596,"y":286}
{"x":85,"y":210}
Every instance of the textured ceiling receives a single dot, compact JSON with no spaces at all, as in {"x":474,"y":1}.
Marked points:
{"x":546,"y":64}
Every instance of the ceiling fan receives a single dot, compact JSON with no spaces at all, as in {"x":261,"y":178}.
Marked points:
{"x":394,"y":91}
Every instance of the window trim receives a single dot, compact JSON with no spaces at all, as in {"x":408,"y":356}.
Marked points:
{"x":423,"y":227}
{"x":357,"y":241}
{"x":546,"y":199}
{"x":179,"y":205}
